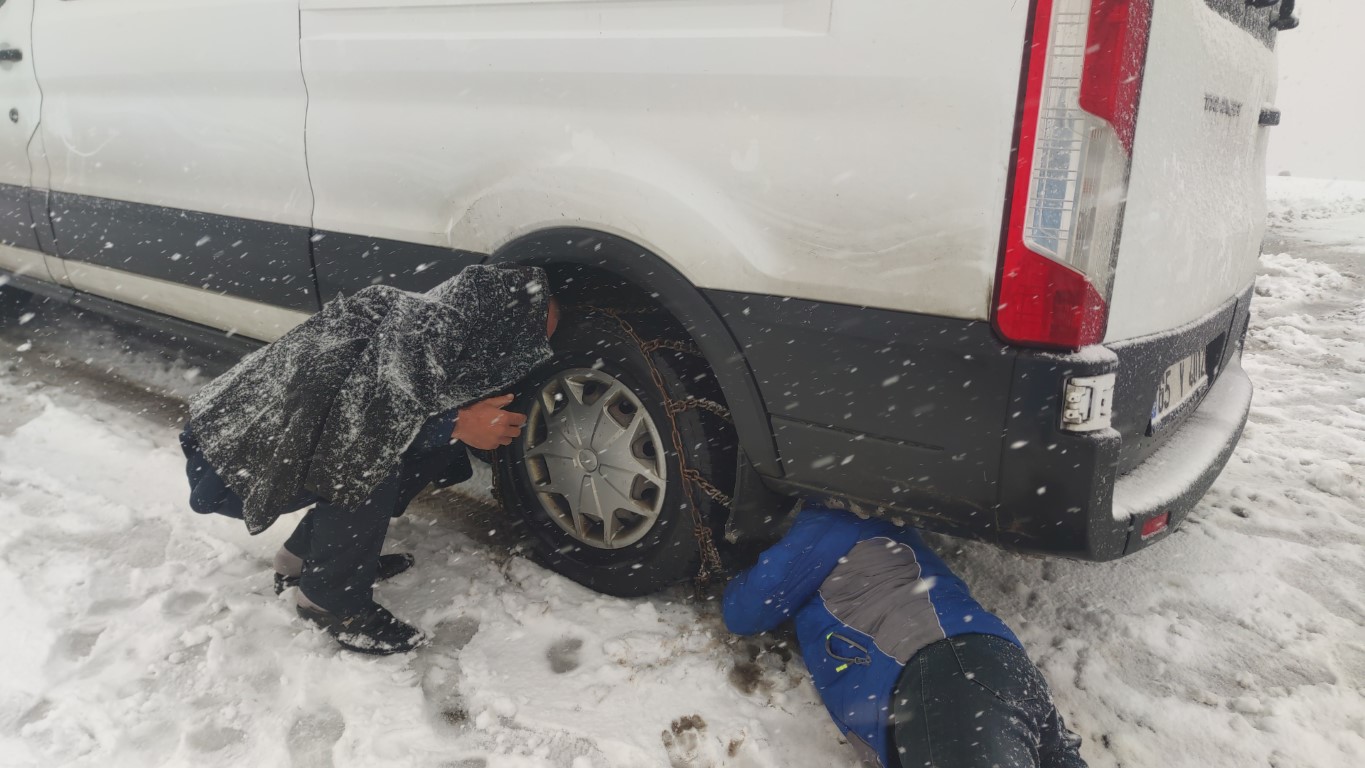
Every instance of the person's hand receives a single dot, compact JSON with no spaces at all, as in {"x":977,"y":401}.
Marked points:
{"x":485,"y":425}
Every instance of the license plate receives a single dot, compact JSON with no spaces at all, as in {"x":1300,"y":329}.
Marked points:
{"x":1181,"y":382}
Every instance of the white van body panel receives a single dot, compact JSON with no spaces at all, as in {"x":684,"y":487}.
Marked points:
{"x":1196,"y":199}
{"x":18,"y":91}
{"x":19,"y":155}
{"x":191,"y":104}
{"x":840,"y":150}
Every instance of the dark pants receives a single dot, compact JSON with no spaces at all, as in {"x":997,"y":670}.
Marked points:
{"x":977,"y":700}
{"x":340,"y":545}
{"x":340,"y":549}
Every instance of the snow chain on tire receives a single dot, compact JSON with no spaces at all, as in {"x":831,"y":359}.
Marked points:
{"x":706,"y":545}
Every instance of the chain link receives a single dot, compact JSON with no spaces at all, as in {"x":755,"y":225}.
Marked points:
{"x":677,"y":346}
{"x":706,"y":544}
{"x":716,"y":494}
{"x":702,"y":404}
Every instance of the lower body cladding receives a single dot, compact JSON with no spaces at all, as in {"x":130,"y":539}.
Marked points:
{"x":938,"y":420}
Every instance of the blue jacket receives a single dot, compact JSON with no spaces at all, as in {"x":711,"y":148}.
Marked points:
{"x":866,"y":596}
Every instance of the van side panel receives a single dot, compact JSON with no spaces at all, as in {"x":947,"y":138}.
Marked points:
{"x":187,"y":104}
{"x":843,"y":150}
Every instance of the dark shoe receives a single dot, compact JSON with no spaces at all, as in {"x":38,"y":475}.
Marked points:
{"x":389,"y":566}
{"x":374,"y":631}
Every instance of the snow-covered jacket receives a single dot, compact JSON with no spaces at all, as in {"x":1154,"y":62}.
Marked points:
{"x":866,"y":595}
{"x":329,"y":408}
{"x":434,"y":457}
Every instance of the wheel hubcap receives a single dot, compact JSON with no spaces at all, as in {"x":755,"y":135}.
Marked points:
{"x":595,"y":459}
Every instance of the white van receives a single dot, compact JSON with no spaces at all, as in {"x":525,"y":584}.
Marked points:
{"x":983,"y":264}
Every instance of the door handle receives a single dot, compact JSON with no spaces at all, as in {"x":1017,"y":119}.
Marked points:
{"x":11,"y":54}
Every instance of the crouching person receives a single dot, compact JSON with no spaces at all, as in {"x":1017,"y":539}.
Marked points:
{"x":912,"y":669}
{"x":354,"y":412}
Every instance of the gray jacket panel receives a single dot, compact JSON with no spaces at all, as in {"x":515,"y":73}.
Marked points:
{"x":877,"y":590}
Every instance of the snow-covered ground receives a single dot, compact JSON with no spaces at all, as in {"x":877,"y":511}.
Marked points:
{"x":139,"y":634}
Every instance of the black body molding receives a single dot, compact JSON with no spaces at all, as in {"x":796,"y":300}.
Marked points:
{"x":346,"y":263}
{"x":16,"y":222}
{"x":887,"y":408}
{"x":257,"y":260}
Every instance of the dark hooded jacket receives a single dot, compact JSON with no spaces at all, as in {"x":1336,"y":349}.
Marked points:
{"x":328,"y":409}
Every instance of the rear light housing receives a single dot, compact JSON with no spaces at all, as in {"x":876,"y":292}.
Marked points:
{"x":1083,"y":76}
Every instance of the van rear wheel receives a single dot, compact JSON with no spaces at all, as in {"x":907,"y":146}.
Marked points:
{"x":595,"y":476}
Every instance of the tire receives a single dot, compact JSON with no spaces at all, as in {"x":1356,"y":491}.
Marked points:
{"x":573,"y":403}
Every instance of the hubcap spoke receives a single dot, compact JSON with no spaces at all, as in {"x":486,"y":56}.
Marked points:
{"x":564,"y":477}
{"x":622,"y":481}
{"x":580,"y":416}
{"x":605,"y":428}
{"x":610,"y":499}
{"x":622,"y":452}
{"x":606,"y":510}
{"x":629,"y":473}
{"x":555,"y":444}
{"x":585,"y":502}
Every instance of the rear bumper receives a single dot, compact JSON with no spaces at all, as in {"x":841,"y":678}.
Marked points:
{"x":937,"y":420}
{"x":1175,"y":477}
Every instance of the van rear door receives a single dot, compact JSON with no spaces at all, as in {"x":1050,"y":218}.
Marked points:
{"x":1195,"y":213}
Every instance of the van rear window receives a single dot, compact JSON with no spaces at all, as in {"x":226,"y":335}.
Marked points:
{"x":1255,"y":21}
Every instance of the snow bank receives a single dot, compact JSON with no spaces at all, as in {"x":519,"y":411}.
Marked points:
{"x":1291,"y":199}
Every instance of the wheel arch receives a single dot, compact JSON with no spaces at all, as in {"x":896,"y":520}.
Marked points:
{"x":574,"y":254}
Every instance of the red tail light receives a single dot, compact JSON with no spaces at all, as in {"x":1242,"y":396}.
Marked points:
{"x":1115,"y":51}
{"x":1083,"y":79}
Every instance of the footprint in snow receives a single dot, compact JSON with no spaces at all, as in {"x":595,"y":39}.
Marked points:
{"x":451,"y":636}
{"x":440,"y":670}
{"x":312,"y":737}
{"x":683,"y":742}
{"x":181,"y":603}
{"x":760,"y":664}
{"x":213,"y":738}
{"x":75,"y":645}
{"x":563,"y":655}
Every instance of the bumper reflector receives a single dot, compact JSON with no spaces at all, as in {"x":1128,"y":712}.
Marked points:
{"x":1155,"y":525}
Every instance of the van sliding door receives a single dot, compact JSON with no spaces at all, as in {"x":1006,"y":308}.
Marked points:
{"x":174,"y":132}
{"x":19,"y":100}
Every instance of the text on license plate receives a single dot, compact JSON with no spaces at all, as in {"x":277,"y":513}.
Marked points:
{"x":1182,"y":381}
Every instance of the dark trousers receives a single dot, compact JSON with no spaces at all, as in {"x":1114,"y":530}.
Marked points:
{"x":977,"y":700}
{"x":340,"y":549}
{"x":340,"y":545}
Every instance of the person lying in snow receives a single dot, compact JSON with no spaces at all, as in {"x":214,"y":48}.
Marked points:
{"x":912,"y":669}
{"x":355,"y":411}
